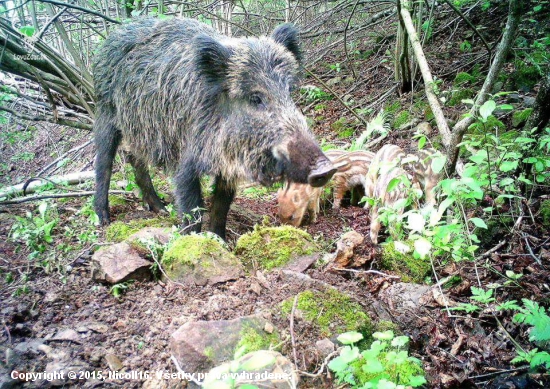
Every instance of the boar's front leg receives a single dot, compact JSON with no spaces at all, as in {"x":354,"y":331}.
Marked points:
{"x":221,"y":202}
{"x":188,"y":195}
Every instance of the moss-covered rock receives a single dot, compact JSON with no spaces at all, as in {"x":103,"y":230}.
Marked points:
{"x":115,"y":200}
{"x":520,"y":117}
{"x":269,"y":247}
{"x":459,"y":95}
{"x":332,"y":311}
{"x":402,"y":261}
{"x":545,"y":213}
{"x":199,"y":259}
{"x":252,"y":339}
{"x":119,"y":230}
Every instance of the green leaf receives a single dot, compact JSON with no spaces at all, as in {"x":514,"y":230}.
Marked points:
{"x":393,"y":184}
{"x":421,"y":142}
{"x":259,"y":360}
{"x":349,"y":354}
{"x":350,"y":337}
{"x":417,"y":380}
{"x":506,"y":107}
{"x":373,"y":366}
{"x":487,"y":109}
{"x":478,"y":222}
{"x":400,"y":341}
{"x":386,"y":335}
{"x":337,"y":364}
{"x":438,"y":163}
{"x":27,"y":30}
{"x":507,"y":166}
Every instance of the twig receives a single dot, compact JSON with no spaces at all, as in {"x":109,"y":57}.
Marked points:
{"x":498,"y":372}
{"x":346,"y":40}
{"x":74,"y":149}
{"x":365,"y":272}
{"x":531,"y":250}
{"x":489,"y":252}
{"x":58,"y":196}
{"x":37,"y":118}
{"x":335,"y":95}
{"x":86,"y":10}
{"x":320,"y":370}
{"x":293,"y":341}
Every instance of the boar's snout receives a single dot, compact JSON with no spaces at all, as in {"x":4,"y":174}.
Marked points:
{"x":322,"y":173}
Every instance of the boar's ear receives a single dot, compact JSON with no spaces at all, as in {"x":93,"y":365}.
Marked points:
{"x":287,"y":35}
{"x":212,"y":58}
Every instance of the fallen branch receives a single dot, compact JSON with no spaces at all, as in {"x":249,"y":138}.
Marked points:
{"x":69,"y":179}
{"x":63,"y":156}
{"x":365,"y":272}
{"x":59,"y":196}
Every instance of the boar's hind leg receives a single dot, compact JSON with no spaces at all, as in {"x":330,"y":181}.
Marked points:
{"x":189,"y":196}
{"x":143,"y":180}
{"x":107,"y":139}
{"x":221,"y":201}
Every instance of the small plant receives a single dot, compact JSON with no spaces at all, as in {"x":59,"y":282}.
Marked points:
{"x":336,"y":67}
{"x":386,"y":364}
{"x":119,"y":289}
{"x":312,"y":93}
{"x":35,"y":231}
{"x":533,"y":314}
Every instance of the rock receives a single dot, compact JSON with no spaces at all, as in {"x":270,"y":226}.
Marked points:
{"x":334,"y":81}
{"x":201,"y":345}
{"x":67,"y":334}
{"x":114,"y":362}
{"x":160,"y":235}
{"x":325,"y":346}
{"x":31,"y":345}
{"x":159,"y":382}
{"x":118,"y":263}
{"x":407,"y":301}
{"x":529,"y":101}
{"x":302,"y":263}
{"x":424,"y":128}
{"x":267,"y":247}
{"x":345,"y":247}
{"x":265,"y":369}
{"x":200,"y":260}
{"x":497,"y":87}
{"x":98,"y":327}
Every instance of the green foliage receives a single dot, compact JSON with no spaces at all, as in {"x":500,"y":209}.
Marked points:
{"x":36,"y":230}
{"x":254,"y":340}
{"x":459,"y":95}
{"x":312,"y":93}
{"x":398,"y":256}
{"x":259,"y":192}
{"x":117,"y":290}
{"x":545,"y":213}
{"x":401,"y":118}
{"x":520,"y":117}
{"x":379,"y":125}
{"x":385,"y":364}
{"x":463,"y":78}
{"x":533,"y":314}
{"x":119,"y":230}
{"x":465,"y":47}
{"x":331,"y":310}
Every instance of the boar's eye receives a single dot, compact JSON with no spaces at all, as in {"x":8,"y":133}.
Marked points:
{"x":257,"y":101}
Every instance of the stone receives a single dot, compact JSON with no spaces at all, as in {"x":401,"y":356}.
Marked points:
{"x":263,"y":368}
{"x":158,"y":234}
{"x":345,"y":247}
{"x":114,"y":362}
{"x":302,"y":263}
{"x":118,"y":263}
{"x":325,"y":346}
{"x":200,"y":260}
{"x":67,"y":335}
{"x":424,"y":128}
{"x":200,"y":345}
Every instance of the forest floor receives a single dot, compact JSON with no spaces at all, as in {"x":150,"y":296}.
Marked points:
{"x":43,"y":298}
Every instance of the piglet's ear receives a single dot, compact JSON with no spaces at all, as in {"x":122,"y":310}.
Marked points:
{"x":212,"y":58}
{"x":287,"y":35}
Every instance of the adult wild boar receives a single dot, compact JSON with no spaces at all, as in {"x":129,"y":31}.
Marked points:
{"x":177,"y":94}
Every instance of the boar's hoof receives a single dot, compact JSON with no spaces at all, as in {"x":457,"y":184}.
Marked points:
{"x":321,"y":175}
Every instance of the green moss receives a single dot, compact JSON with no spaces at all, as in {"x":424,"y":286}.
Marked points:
{"x":346,"y":133}
{"x":115,"y":200}
{"x":393,"y":107}
{"x":190,"y":249}
{"x":320,"y":107}
{"x":401,"y":118}
{"x":520,"y":117}
{"x":408,"y":268}
{"x":385,"y":325}
{"x":333,"y":312}
{"x":525,"y":77}
{"x":397,"y":373}
{"x":270,"y":247}
{"x":463,"y":78}
{"x":209,"y":353}
{"x":545,"y":213}
{"x":459,"y":95}
{"x":254,"y":340}
{"x":119,"y":230}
